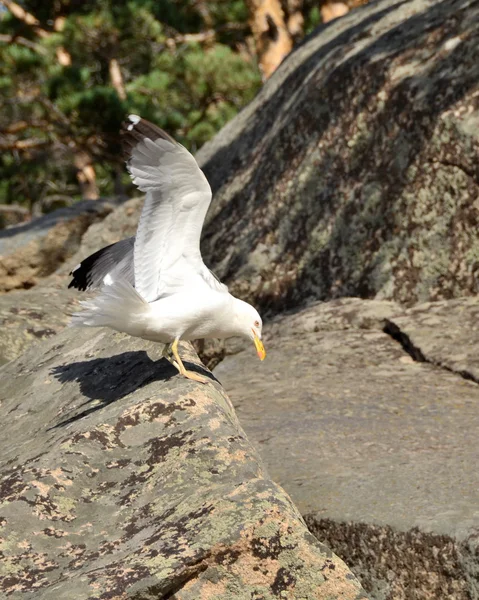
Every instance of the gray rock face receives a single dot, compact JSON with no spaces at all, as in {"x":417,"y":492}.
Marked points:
{"x":120,"y":479}
{"x":29,"y":316}
{"x":374,"y":435}
{"x":355,"y":172}
{"x":43,"y":310}
{"x":118,"y":225}
{"x":445,"y":334}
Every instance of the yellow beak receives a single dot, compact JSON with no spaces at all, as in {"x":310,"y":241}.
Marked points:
{"x":259,"y":347}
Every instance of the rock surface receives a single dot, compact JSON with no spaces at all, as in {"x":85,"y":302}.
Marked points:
{"x":444,"y":333}
{"x":355,"y":171}
{"x":33,"y":250}
{"x":42,"y":311}
{"x":118,"y":225}
{"x":27,"y":316}
{"x":374,"y":435}
{"x":119,"y":479}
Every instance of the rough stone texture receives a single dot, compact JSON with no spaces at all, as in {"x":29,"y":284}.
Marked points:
{"x":120,"y":479}
{"x":27,"y":316}
{"x":377,"y":446}
{"x":32,"y":314}
{"x":442,"y":333}
{"x":355,"y":171}
{"x":404,"y":565}
{"x":36,"y":249}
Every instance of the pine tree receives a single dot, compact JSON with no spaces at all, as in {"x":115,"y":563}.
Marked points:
{"x":70,"y":71}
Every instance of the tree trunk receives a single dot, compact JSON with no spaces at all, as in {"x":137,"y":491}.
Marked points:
{"x":333,"y":10}
{"x":294,"y":18}
{"x":86,"y":176}
{"x":272,"y":39}
{"x":116,"y":78}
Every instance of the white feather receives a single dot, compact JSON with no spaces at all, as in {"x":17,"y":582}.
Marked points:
{"x":167,"y":255}
{"x":134,"y":120}
{"x":119,"y":306}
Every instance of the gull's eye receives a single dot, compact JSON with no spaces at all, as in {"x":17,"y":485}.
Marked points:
{"x":256,"y":323}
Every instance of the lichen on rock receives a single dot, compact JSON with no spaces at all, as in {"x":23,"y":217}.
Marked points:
{"x":121,"y":479}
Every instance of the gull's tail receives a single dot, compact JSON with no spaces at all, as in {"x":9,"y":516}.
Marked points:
{"x":118,"y":306}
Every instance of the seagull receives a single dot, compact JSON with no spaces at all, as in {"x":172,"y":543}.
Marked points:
{"x":155,"y":285}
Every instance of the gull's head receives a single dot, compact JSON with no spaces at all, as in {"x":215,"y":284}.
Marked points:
{"x":248,"y":324}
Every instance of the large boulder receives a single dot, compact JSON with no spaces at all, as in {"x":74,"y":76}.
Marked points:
{"x":118,"y":225}
{"x":121,"y":479}
{"x":42,"y":310}
{"x":367,"y":414}
{"x":355,"y":171}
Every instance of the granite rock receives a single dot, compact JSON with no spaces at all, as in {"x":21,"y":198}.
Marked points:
{"x":42,"y":310}
{"x":28,"y":316}
{"x":444,"y":333}
{"x":121,"y":479}
{"x":355,"y":171}
{"x":371,"y":425}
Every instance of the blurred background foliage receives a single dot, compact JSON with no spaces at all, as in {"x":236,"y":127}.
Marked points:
{"x":71,"y":70}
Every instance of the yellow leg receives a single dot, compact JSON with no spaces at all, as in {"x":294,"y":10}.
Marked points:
{"x":167,"y":354}
{"x":181,"y":367}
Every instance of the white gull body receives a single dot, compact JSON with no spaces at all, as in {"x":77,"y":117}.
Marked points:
{"x":174,"y":295}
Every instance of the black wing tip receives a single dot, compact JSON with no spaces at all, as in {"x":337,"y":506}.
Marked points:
{"x":74,"y":283}
{"x":82,"y":272}
{"x":135,"y":129}
{"x":89,"y":274}
{"x":80,"y":278}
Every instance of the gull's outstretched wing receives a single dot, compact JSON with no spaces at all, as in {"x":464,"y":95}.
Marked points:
{"x":167,"y":253}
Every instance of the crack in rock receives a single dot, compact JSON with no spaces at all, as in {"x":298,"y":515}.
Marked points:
{"x":391,"y":329}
